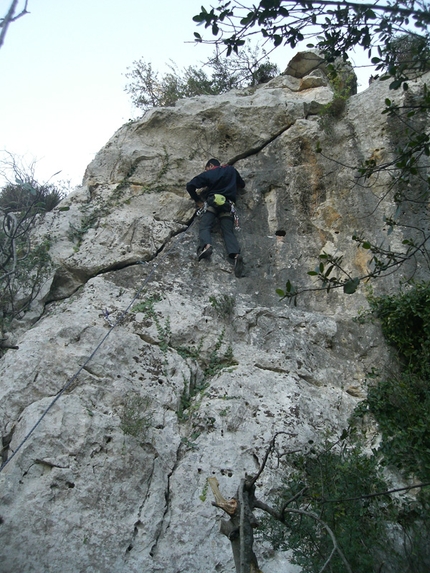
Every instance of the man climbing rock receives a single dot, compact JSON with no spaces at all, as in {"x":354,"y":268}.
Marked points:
{"x":219,"y":185}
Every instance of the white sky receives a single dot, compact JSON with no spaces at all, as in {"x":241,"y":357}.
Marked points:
{"x":62,"y":73}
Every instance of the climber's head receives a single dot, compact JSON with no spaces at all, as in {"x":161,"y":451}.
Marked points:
{"x":212,"y":164}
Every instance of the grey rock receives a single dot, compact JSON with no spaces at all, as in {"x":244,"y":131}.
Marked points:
{"x":175,"y":370}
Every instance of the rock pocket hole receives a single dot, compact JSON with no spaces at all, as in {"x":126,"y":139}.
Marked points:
{"x":280,"y":233}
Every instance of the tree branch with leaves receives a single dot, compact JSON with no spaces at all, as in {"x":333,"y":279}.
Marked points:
{"x":333,"y":509}
{"x":217,"y":75}
{"x":24,"y":262}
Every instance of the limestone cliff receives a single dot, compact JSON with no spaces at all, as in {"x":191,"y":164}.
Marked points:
{"x":199,"y":368}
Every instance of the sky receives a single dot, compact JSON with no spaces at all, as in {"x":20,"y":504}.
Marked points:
{"x":62,"y":74}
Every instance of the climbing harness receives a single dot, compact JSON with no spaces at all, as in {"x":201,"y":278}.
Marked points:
{"x":219,"y":203}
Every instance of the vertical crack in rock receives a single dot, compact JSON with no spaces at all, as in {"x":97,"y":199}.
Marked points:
{"x":5,"y":442}
{"x":167,"y":503}
{"x":138,"y":523}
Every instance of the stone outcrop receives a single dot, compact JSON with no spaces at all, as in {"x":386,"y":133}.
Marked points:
{"x":185,"y":371}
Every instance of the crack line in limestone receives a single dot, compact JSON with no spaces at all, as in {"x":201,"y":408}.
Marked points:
{"x":124,"y":265}
{"x":255,"y":150}
{"x":276,"y":369}
{"x":142,"y":505}
{"x":167,"y":498}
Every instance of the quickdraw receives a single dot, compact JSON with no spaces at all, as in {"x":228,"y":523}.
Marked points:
{"x":236,"y":216}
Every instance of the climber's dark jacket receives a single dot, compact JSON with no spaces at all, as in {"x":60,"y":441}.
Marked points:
{"x":223,"y":180}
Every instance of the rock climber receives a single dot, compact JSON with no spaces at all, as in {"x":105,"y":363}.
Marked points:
{"x":218,"y":184}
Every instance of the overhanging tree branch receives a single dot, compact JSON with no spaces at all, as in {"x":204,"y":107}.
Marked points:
{"x":11,"y":17}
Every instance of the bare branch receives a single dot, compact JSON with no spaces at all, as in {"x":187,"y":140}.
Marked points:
{"x":11,"y":17}
{"x":378,"y":494}
{"x":251,"y":483}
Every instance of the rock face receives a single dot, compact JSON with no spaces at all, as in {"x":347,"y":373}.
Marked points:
{"x":184,"y":371}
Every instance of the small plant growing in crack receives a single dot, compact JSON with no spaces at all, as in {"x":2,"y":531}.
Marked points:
{"x":219,"y":361}
{"x":192,"y":388}
{"x":203,"y":496}
{"x":187,"y":403}
{"x":223,"y":305}
{"x":164,"y":331}
{"x":135,"y":417}
{"x":147,"y":306}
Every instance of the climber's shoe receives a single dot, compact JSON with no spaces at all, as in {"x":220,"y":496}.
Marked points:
{"x":204,"y":252}
{"x":238,"y":266}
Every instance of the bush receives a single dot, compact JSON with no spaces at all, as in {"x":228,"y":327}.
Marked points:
{"x":24,"y":263}
{"x":217,"y":75}
{"x":30,"y":197}
{"x":401,"y":403}
{"x":325,"y":482}
{"x":410,"y":53}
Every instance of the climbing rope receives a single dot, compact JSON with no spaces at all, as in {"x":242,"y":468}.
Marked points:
{"x":113,"y":325}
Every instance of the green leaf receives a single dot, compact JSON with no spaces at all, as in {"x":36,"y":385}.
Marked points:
{"x":280,"y":292}
{"x":351,"y":286}
{"x":395,"y":85}
{"x":328,"y":271}
{"x":344,"y":434}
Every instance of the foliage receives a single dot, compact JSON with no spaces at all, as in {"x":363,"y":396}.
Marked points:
{"x":401,"y":402}
{"x":211,"y":366}
{"x":30,"y":198}
{"x":135,"y":419}
{"x":223,"y":305}
{"x":410,"y":53}
{"x":24,"y":266}
{"x":147,"y":305}
{"x":89,"y":220}
{"x":24,"y":262}
{"x":372,"y":530}
{"x":343,"y":87}
{"x":22,"y":192}
{"x":217,"y":361}
{"x":322,"y":482}
{"x":336,"y":27}
{"x":216,"y":76}
{"x":164,"y":332}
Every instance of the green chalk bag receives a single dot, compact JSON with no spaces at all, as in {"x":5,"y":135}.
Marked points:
{"x":219,"y":200}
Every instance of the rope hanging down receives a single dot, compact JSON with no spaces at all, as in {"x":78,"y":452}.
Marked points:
{"x":96,"y":349}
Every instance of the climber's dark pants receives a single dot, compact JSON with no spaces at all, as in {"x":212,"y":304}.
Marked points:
{"x":207,"y":222}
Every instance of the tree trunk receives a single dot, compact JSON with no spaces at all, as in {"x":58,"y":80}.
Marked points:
{"x":239,"y":528}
